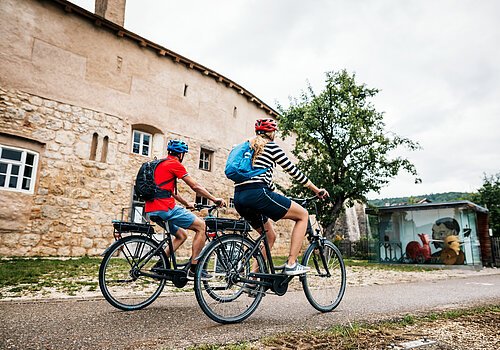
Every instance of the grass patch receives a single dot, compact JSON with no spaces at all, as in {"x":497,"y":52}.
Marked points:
{"x":18,"y":275}
{"x":31,"y":271}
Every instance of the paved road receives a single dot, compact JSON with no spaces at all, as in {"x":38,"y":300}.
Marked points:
{"x":177,"y":322}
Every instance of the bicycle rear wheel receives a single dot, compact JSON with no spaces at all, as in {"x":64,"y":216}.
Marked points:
{"x":222,"y":297}
{"x":121,"y":277}
{"x":325,"y":284}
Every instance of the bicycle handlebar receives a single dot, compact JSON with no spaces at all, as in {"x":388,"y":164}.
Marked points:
{"x":211,"y":208}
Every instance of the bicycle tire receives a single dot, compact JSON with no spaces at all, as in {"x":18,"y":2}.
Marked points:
{"x":324,"y":291}
{"x":221,"y":297}
{"x":120,"y":279}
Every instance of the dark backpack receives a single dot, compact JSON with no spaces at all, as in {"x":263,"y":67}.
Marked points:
{"x":239,"y":164}
{"x":145,"y":187}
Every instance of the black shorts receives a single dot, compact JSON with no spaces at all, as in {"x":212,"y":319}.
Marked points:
{"x":258,"y":203}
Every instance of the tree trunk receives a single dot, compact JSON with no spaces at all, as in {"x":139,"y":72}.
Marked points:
{"x":333,"y":217}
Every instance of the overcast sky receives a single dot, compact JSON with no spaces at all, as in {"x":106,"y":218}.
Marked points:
{"x":436,"y":62}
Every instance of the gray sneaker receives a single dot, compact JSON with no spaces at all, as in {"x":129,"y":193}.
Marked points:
{"x":296,"y":269}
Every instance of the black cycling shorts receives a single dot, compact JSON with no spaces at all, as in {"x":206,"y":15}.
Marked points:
{"x":256,"y":205}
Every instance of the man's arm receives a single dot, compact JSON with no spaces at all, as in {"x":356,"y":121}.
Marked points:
{"x":183,"y":201}
{"x":199,"y":189}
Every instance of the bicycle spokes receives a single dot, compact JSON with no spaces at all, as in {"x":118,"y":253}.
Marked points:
{"x":324,"y":285}
{"x":225,"y":296}
{"x":125,"y":275}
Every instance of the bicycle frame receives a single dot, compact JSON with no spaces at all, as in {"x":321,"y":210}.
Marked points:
{"x":279,"y":282}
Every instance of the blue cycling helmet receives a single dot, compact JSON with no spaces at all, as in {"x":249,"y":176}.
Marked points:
{"x":177,"y":146}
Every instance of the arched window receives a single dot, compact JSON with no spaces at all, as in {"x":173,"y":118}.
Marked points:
{"x":93,"y":146}
{"x":104,"y":152}
{"x":141,"y":143}
{"x":142,"y":139}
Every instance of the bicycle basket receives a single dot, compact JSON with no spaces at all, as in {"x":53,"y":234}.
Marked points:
{"x":224,"y":224}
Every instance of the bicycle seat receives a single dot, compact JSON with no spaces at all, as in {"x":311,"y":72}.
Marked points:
{"x":158,"y":220}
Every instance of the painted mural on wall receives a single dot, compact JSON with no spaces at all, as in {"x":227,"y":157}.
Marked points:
{"x":438,"y":236}
{"x":445,"y":238}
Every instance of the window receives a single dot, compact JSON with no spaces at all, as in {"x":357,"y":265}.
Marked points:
{"x":231,"y":202}
{"x":235,"y":112}
{"x":104,"y":153}
{"x":93,"y":146}
{"x":206,"y":159}
{"x":17,"y":169}
{"x":202,"y":200}
{"x":141,"y":143}
{"x":185,"y":90}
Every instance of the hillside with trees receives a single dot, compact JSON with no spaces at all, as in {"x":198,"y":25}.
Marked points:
{"x":433,"y":197}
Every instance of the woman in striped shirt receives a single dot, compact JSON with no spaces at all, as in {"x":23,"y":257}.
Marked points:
{"x":255,"y":199}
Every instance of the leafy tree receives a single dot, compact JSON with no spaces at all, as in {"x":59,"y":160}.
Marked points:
{"x":489,"y":196}
{"x":341,"y":143}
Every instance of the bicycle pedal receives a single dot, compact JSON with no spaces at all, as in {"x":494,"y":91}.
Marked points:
{"x":252,"y":293}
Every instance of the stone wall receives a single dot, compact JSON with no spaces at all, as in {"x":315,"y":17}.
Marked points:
{"x":75,"y":198}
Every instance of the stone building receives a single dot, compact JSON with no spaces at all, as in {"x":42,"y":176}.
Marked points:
{"x":83,"y":102}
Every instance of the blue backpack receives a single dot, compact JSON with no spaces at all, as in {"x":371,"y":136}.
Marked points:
{"x":239,"y":164}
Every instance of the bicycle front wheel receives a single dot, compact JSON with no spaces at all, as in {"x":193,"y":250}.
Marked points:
{"x":324,"y":285}
{"x":219,"y":285}
{"x":123,"y":274}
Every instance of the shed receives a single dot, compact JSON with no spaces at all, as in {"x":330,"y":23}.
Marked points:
{"x":451,"y":233}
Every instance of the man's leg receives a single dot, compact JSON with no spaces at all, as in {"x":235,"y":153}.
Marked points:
{"x":179,"y":238}
{"x":198,"y":226}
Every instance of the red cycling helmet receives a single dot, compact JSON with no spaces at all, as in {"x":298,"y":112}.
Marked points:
{"x":266,"y":125}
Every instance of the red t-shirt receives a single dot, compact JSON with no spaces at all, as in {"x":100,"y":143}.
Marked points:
{"x":165,"y":171}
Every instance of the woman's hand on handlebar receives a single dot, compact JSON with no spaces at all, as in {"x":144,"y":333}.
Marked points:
{"x":322,"y":193}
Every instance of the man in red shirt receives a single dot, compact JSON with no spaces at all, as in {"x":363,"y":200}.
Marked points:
{"x":179,"y":218}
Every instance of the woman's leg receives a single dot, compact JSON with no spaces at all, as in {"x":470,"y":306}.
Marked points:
{"x":300,"y":216}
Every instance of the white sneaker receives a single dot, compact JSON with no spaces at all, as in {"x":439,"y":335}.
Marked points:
{"x":295,"y":269}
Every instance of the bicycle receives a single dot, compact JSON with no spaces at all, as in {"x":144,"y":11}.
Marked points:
{"x":135,"y":268}
{"x":240,"y":270}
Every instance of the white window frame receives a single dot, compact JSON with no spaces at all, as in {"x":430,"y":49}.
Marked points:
{"x":231,"y":203}
{"x":205,"y":162}
{"x":141,"y":142}
{"x":22,"y":166}
{"x":204,"y":200}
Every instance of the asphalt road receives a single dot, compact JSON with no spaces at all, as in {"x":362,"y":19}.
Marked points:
{"x":175,"y":321}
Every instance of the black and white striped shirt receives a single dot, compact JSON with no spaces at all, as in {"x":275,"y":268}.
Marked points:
{"x":270,"y":156}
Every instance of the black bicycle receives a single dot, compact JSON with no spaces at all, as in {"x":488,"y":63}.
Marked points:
{"x":136,"y":267}
{"x":242,"y":272}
